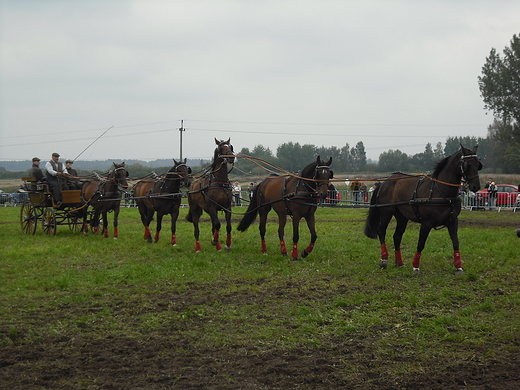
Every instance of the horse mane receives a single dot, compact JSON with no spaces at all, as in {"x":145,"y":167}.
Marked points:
{"x":440,"y":165}
{"x":308,"y":171}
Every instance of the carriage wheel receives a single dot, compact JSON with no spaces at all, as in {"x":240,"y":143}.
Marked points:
{"x":75,"y":223}
{"x":49,"y":221}
{"x":28,"y":218}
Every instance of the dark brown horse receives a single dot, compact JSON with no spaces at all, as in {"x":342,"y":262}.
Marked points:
{"x":212,"y":193}
{"x":104,"y":195}
{"x":297,"y":196}
{"x":432,"y":201}
{"x":162,"y":195}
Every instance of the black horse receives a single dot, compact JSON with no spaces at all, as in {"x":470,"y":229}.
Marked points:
{"x":297,"y":196}
{"x":104,"y":195}
{"x":432,"y":201}
{"x":212,"y":193}
{"x":162,"y":195}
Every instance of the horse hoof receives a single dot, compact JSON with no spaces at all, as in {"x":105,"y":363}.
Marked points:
{"x":399,"y":265}
{"x":459,"y":271}
{"x":416,"y":270}
{"x":214,"y":243}
{"x":227,"y":248}
{"x":174,"y":244}
{"x":383,"y":263}
{"x":295,"y":259}
{"x":198,"y":251}
{"x":284,"y":254}
{"x":304,"y":254}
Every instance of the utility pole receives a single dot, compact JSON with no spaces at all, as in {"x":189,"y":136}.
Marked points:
{"x":181,"y":129}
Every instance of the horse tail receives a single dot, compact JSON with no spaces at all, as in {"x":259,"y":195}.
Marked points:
{"x":373,"y":217}
{"x":251,"y":212}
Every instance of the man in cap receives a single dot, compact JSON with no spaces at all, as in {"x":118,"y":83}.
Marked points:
{"x":36,"y":171}
{"x":55,"y":171}
{"x":72,"y":177}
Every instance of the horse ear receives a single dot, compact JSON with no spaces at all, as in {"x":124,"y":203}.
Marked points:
{"x":318,"y":160}
{"x":329,"y":162}
{"x":331,"y":175}
{"x":475,"y":149}
{"x":189,"y":170}
{"x":175,"y":161}
{"x":185,"y":160}
{"x":217,"y":141}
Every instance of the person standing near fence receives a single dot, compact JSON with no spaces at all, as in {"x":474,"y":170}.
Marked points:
{"x":237,"y":190}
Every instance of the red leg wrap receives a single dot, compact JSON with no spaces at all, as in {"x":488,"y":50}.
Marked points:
{"x":105,"y":233}
{"x":398,"y":259}
{"x":156,"y":238}
{"x":116,"y":232}
{"x":216,"y":236}
{"x":457,"y":261}
{"x":264,"y":247}
{"x":309,"y":248}
{"x":295,"y":251}
{"x":174,"y":239}
{"x":416,"y":260}
{"x":384,"y":252}
{"x":85,"y":227}
{"x":218,"y":246}
{"x":228,"y":240}
{"x":147,"y":233}
{"x":197,"y":246}
{"x":96,"y":229}
{"x":283,"y":248}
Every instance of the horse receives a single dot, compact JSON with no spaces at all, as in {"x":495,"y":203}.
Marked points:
{"x":162,"y":195}
{"x":212,"y":192}
{"x":297,"y":196}
{"x":431,"y":200}
{"x":104,"y":195}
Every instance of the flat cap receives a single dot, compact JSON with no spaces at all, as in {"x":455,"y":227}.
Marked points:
{"x":55,"y":154}
{"x":36,"y":159}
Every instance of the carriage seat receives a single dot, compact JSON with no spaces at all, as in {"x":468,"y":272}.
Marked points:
{"x":31,"y":184}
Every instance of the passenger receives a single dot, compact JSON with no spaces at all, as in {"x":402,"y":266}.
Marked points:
{"x":72,"y":179}
{"x":55,"y":171}
{"x":36,"y":171}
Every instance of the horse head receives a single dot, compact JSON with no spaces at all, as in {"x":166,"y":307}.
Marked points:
{"x":469,"y":166}
{"x":182,"y":171}
{"x":224,"y":148}
{"x":322,"y":175}
{"x":119,"y":175}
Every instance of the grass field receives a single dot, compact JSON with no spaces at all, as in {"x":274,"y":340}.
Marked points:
{"x":93,"y":313}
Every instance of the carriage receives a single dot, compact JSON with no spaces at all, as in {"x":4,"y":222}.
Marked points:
{"x":41,"y":206}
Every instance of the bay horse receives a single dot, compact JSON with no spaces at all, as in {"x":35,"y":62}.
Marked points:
{"x":432,"y":201}
{"x":104,"y":195}
{"x":162,"y":195}
{"x":297,"y":196}
{"x":212,"y":192}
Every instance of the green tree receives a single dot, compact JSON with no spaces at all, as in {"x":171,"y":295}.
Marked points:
{"x":358,"y":157}
{"x":500,"y":81}
{"x":512,"y":159}
{"x":393,"y":161}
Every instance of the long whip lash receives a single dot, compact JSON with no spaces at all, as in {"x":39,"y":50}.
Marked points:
{"x":93,"y":142}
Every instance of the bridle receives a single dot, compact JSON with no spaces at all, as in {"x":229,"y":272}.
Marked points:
{"x":464,"y":166}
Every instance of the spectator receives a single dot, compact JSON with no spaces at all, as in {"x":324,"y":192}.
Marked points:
{"x":237,"y":189}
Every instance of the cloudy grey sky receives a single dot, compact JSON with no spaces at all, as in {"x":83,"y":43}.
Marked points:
{"x":393,"y":74}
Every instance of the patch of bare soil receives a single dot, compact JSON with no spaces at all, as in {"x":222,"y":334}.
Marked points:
{"x":166,"y":358}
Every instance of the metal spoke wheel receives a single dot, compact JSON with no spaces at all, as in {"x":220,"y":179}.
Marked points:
{"x":49,"y":221}
{"x":28,"y":218}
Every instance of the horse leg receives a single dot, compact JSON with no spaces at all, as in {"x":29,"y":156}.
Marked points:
{"x":116,"y":221}
{"x":146,"y":218}
{"x":95,"y":222}
{"x":262,"y":228}
{"x":282,"y":220}
{"x":423,"y":235}
{"x":228,"y":231}
{"x":158,"y":226}
{"x":175,"y":215}
{"x":311,"y":224}
{"x":457,"y":261}
{"x":195,"y":214}
{"x":105,"y":224}
{"x":296,"y":237}
{"x":216,"y":230}
{"x":402,"y":222}
{"x":385,"y":218}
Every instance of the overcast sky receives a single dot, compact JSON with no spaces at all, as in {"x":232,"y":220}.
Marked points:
{"x":392,"y":74}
